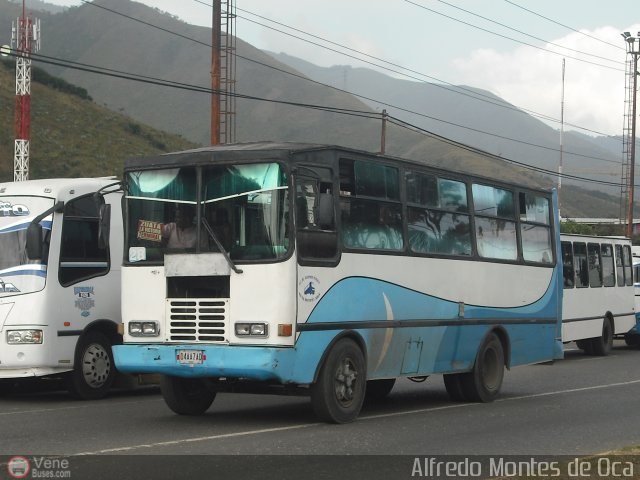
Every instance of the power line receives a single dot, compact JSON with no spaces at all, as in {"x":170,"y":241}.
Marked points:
{"x":565,"y":26}
{"x":527,"y":34}
{"x":510,"y":38}
{"x":335,"y":88}
{"x":351,"y":93}
{"x":456,"y":88}
{"x":416,"y":129}
{"x":355,"y":113}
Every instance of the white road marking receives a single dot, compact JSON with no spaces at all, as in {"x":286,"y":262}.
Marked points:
{"x":363,"y":418}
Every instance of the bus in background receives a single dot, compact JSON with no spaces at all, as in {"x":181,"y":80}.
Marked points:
{"x":633,"y":337}
{"x":331,"y":272}
{"x":598,"y":302}
{"x":59,"y":288}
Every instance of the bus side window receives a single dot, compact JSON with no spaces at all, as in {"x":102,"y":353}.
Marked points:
{"x":80,"y":255}
{"x":567,"y":265}
{"x":608,"y":269}
{"x":619,"y":266}
{"x":595,"y":265}
{"x":626,"y":260}
{"x":580,"y":264}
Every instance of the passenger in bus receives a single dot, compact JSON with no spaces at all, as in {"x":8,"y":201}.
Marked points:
{"x":182,"y":232}
{"x":222,"y":228}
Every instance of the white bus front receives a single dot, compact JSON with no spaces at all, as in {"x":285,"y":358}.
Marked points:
{"x":59,"y":288}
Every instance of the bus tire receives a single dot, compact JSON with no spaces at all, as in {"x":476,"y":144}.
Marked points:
{"x":339,"y":391}
{"x":94,"y":369}
{"x":379,"y":389}
{"x":602,"y":345}
{"x":186,"y":396}
{"x":482,"y":384}
{"x":453,"y":384}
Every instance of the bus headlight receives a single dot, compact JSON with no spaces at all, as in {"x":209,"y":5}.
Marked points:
{"x":252,"y":329}
{"x":144,"y":329}
{"x":21,"y":337}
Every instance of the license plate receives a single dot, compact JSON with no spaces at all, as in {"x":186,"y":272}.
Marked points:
{"x":190,"y":357}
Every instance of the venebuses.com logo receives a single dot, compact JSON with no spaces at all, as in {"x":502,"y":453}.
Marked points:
{"x":38,"y":467}
{"x":18,"y":467}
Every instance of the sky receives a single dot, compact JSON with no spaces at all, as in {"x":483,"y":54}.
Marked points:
{"x":478,"y":43}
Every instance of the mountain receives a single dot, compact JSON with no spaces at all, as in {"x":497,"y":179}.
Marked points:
{"x":126,"y":42}
{"x":460,"y":112}
{"x":71,"y":135}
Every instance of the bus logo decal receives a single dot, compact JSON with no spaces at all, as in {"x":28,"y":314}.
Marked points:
{"x":85,"y":301}
{"x":308,"y":288}
{"x":9,"y":210}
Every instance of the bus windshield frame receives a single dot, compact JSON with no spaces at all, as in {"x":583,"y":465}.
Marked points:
{"x":19,"y":274}
{"x":245,"y":206}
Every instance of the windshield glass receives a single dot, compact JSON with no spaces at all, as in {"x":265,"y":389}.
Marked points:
{"x":18,"y":274}
{"x":244,"y":206}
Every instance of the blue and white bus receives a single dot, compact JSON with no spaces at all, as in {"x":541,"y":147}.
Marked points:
{"x":331,"y":272}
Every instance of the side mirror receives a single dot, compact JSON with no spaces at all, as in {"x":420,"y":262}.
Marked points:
{"x":34,"y":241}
{"x":325,"y":211}
{"x":104,"y":222}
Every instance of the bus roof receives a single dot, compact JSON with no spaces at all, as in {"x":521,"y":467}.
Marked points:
{"x":55,"y":187}
{"x":274,"y":150}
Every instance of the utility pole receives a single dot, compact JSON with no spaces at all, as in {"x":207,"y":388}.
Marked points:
{"x":633,"y":50}
{"x":561,"y":144}
{"x":215,"y":73}
{"x":383,"y":132}
{"x":223,"y":72}
{"x":25,"y":39}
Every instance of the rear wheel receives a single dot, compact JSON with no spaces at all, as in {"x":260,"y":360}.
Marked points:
{"x":602,"y":345}
{"x":186,"y":396}
{"x":94,"y":369}
{"x":338,"y":393}
{"x":482,"y":384}
{"x":378,"y":389}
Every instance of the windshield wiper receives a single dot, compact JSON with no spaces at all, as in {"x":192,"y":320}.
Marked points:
{"x":213,"y":236}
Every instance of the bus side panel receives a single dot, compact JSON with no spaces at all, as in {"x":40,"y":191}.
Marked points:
{"x":426,"y":334}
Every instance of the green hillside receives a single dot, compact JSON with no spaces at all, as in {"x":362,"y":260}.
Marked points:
{"x":71,"y":135}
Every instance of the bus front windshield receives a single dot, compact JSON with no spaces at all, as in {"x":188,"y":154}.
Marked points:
{"x":243,"y":208}
{"x":18,"y":274}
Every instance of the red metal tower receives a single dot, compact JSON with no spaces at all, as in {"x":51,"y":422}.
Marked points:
{"x":25,"y":39}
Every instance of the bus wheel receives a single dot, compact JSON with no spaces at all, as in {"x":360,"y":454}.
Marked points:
{"x":482,"y":384}
{"x":338,"y":393}
{"x":186,"y":396}
{"x":94,"y":370}
{"x":378,"y":389}
{"x":602,"y":345}
{"x":453,"y":384}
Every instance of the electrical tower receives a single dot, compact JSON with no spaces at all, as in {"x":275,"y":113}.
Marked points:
{"x":629,"y":131}
{"x":223,"y":72}
{"x":25,"y":39}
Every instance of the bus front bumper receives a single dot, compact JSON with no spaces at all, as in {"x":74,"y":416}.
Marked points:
{"x":214,"y":361}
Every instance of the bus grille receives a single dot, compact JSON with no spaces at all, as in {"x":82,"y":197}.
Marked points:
{"x":197,"y":320}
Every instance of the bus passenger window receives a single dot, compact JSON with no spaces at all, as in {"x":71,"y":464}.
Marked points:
{"x":580,"y":264}
{"x":619,"y":267}
{"x":595,"y":265}
{"x":608,"y":269}
{"x":567,"y":265}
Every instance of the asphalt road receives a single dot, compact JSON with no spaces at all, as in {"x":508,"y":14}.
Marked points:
{"x":579,"y":406}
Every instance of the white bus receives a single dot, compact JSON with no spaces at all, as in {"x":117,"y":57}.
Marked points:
{"x":598,"y":302}
{"x":331,"y":272}
{"x":59,"y":288}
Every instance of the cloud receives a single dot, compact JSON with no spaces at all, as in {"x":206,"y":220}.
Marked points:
{"x":532,"y":79}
